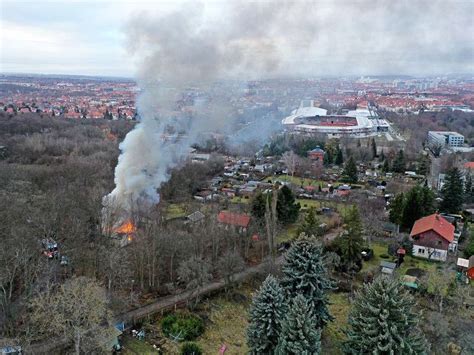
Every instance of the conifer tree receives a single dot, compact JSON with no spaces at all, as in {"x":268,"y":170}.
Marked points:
{"x":266,"y":314}
{"x":310,"y":225}
{"x":396,"y":209}
{"x":468,"y":189}
{"x":350,"y":171}
{"x":287,"y":207}
{"x":349,"y":244}
{"x":452,"y":192}
{"x":339,"y":158}
{"x":299,"y":333}
{"x":327,"y":159}
{"x":383,"y":321}
{"x":399,"y":162}
{"x":304,"y":273}
{"x":374,"y":148}
{"x":385,"y":166}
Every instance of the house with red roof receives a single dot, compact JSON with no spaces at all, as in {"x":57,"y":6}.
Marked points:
{"x":469,"y":167}
{"x":236,"y":220}
{"x":432,"y":236}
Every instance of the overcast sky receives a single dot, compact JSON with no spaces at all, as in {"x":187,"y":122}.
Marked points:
{"x":359,"y":37}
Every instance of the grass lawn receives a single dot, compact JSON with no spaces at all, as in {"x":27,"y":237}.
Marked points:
{"x":297,"y":180}
{"x":287,"y":234}
{"x":175,"y":210}
{"x":237,"y":199}
{"x":227,"y":325}
{"x":411,"y":262}
{"x":333,"y":335}
{"x":307,"y":203}
{"x":135,"y":346}
{"x":379,"y":249}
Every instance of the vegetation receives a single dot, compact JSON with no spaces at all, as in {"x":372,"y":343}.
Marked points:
{"x":287,"y":207}
{"x":349,"y":244}
{"x":399,"y":162}
{"x":190,"y":348}
{"x":408,"y":207}
{"x":76,"y":310}
{"x":299,"y":333}
{"x":182,"y":326}
{"x":304,"y":273}
{"x":310,"y":225}
{"x":266,"y":314}
{"x":382,"y":320}
{"x":350,"y":171}
{"x":452,"y":192}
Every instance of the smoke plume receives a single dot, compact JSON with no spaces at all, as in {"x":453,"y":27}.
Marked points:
{"x":195,"y":46}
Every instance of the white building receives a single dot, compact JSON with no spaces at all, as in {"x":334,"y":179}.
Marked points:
{"x":362,"y":122}
{"x":445,"y":139}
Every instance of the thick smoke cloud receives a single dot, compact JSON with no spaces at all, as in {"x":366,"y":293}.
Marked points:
{"x":197,"y":45}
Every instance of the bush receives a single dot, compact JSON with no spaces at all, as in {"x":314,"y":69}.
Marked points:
{"x":191,"y":349}
{"x":182,"y":326}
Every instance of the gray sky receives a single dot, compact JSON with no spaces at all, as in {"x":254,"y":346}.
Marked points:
{"x":359,"y":37}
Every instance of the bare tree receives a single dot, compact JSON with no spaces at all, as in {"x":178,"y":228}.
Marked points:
{"x":229,"y":264}
{"x":75,"y":309}
{"x":195,"y":273}
{"x":291,"y":161}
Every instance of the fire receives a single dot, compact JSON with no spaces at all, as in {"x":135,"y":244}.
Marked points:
{"x":126,"y":228}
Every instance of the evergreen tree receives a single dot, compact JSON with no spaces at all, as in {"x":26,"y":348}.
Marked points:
{"x":300,"y":334}
{"x":382,"y":156}
{"x":452,"y":192}
{"x":327,"y":159}
{"x":468,"y":189}
{"x":424,"y":165}
{"x":383,"y":321}
{"x":287,"y":207}
{"x":266,"y":314}
{"x":413,"y":209}
{"x":339,"y":158}
{"x":350,"y":243}
{"x":304,"y":273}
{"x":385,"y":166}
{"x":350,"y":171}
{"x":399,"y":163}
{"x":310,"y":225}
{"x":406,"y":208}
{"x":427,"y":200}
{"x":374,"y":148}
{"x":396,"y":209}
{"x":258,"y":207}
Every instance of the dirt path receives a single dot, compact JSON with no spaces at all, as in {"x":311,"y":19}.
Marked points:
{"x":159,"y":305}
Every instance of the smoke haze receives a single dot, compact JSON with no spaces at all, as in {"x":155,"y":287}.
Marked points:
{"x":199,"y":44}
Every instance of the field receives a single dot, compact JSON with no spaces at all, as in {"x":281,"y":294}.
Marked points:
{"x":409,"y":261}
{"x":226,"y":322}
{"x":333,"y":334}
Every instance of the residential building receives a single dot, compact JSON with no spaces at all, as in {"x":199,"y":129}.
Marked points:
{"x":236,"y":220}
{"x":317,"y":154}
{"x":432,"y":237}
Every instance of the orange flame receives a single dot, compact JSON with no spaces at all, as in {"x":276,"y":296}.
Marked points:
{"x":126,"y":228}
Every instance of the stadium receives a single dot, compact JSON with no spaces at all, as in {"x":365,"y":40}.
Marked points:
{"x":362,"y":122}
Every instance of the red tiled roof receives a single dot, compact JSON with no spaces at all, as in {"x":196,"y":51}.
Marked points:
{"x":469,"y":165}
{"x":436,"y":223}
{"x":235,"y":219}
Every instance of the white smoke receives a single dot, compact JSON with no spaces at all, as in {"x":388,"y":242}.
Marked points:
{"x":198,"y":45}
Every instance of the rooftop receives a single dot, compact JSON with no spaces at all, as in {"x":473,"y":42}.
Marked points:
{"x":434,"y":222}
